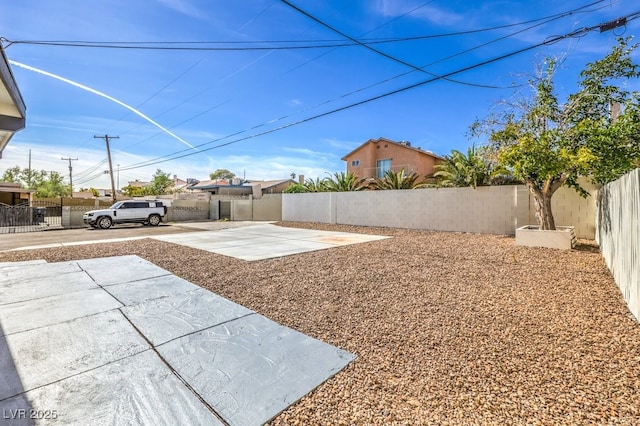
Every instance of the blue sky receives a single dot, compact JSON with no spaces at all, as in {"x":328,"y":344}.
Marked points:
{"x":206,"y":98}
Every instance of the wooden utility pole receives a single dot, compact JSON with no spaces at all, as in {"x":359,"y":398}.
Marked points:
{"x":106,"y":139}
{"x":70,"y":172}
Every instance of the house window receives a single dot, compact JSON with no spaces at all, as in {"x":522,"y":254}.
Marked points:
{"x":355,"y":163}
{"x":382,"y":166}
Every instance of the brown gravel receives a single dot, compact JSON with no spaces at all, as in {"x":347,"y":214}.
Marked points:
{"x":448,"y":328}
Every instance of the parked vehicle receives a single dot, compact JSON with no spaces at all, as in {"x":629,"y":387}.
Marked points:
{"x":145,"y":212}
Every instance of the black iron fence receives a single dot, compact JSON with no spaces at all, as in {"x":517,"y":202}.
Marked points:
{"x":39,"y":216}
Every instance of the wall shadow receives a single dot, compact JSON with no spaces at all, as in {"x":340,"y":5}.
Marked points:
{"x":15,"y":407}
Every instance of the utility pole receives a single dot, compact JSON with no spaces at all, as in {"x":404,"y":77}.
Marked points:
{"x":29,"y":175}
{"x":106,"y":139}
{"x":70,"y":172}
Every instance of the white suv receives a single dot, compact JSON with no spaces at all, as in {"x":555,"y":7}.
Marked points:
{"x":145,"y":212}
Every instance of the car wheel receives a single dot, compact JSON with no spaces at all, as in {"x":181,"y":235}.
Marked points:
{"x":154,"y":220}
{"x":105,"y":222}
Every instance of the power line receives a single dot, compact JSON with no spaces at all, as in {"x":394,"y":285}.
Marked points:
{"x":373,"y":49}
{"x":576,"y":33}
{"x":343,"y":96}
{"x":230,"y":45}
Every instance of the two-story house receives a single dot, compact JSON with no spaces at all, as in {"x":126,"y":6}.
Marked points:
{"x":377,"y":156}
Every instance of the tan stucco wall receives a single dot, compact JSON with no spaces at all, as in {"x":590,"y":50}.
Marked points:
{"x":491,"y":210}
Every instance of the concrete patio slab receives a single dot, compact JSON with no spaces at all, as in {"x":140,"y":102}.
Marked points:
{"x":252,"y":368}
{"x":22,"y":263}
{"x":13,"y":273}
{"x":266,"y":241}
{"x":135,"y":292}
{"x":74,"y":346}
{"x":168,"y":318}
{"x":137,"y":390}
{"x":36,"y":288}
{"x":141,"y":346}
{"x":126,"y":269}
{"x":36,"y":313}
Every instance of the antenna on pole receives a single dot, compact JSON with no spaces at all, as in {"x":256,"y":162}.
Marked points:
{"x":69,"y":159}
{"x":106,"y":139}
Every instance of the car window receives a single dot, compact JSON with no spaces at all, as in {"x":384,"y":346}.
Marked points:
{"x":116,"y":205}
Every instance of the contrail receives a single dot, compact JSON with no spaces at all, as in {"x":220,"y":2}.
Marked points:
{"x":104,"y":95}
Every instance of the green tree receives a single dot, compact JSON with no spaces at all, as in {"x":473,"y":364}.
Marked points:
{"x":222,"y":174}
{"x":46,"y":184}
{"x":309,"y":185}
{"x":161,"y":183}
{"x":344,"y":181}
{"x":134,"y":191}
{"x":399,"y":180}
{"x":478,"y":167}
{"x":13,"y":175}
{"x":459,"y":169}
{"x":52,"y":186}
{"x":549,"y":145}
{"x":317,"y":185}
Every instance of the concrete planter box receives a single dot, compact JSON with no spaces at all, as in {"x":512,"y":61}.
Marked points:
{"x":562,"y":238}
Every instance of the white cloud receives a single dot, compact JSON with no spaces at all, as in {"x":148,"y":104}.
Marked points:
{"x":183,"y":6}
{"x":432,"y":14}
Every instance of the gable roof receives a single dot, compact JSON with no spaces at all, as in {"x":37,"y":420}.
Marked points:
{"x":403,"y":144}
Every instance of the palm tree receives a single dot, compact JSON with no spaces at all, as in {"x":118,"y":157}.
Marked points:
{"x":342,"y":181}
{"x":317,"y":185}
{"x":399,"y":180}
{"x":459,"y":169}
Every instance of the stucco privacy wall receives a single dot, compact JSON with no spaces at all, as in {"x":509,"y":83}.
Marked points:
{"x":269,"y":207}
{"x":483,"y":210}
{"x":618,"y":234}
{"x":490,"y":210}
{"x":187,"y":210}
{"x":570,"y":209}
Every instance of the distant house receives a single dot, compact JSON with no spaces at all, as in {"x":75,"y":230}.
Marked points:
{"x":180,"y":185}
{"x":237,"y":186}
{"x":377,"y":156}
{"x":11,"y":194}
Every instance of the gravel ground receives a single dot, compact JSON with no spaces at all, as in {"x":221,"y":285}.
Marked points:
{"x":449,"y":328}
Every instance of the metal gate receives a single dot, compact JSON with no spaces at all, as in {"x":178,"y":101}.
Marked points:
{"x":39,"y":216}
{"x":225,"y":210}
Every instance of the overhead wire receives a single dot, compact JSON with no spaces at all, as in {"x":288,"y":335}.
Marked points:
{"x":377,"y":51}
{"x":576,"y":33}
{"x":320,"y":44}
{"x":346,"y":95}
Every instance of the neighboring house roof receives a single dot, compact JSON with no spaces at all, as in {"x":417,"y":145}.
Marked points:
{"x":247,"y":184}
{"x":403,"y":144}
{"x":267,"y":184}
{"x":211,"y":184}
{"x":12,"y":106}
{"x":14,"y":187}
{"x":139,"y":184}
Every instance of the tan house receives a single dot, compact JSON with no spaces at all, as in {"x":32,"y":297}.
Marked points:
{"x":376,"y":156}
